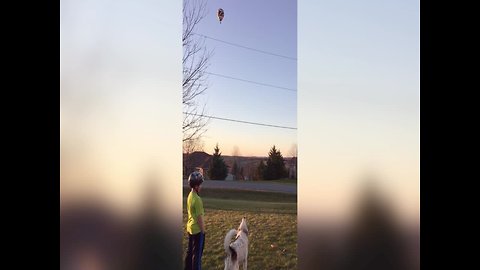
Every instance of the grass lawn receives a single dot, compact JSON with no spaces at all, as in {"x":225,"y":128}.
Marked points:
{"x":280,"y":181}
{"x":243,"y":195}
{"x":272,"y":224}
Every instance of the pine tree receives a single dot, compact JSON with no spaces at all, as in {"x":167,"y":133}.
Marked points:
{"x":275,"y":165}
{"x":218,"y":169}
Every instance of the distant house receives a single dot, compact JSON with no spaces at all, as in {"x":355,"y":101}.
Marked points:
{"x":291,"y":165}
{"x":292,"y":171}
{"x":197,"y":159}
{"x":230,"y":177}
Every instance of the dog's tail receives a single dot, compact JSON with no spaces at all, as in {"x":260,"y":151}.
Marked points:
{"x":228,"y":238}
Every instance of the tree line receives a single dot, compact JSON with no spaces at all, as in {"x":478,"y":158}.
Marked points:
{"x":270,"y":169}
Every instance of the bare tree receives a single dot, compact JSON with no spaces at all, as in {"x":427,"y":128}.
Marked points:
{"x":236,"y":167}
{"x":190,"y":146}
{"x":193,"y":145}
{"x":236,"y":151}
{"x":195,"y":62}
{"x":293,"y":150}
{"x":293,"y":163}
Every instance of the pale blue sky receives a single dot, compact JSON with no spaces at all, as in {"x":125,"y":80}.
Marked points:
{"x":263,"y":25}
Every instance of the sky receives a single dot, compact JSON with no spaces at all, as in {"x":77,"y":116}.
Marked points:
{"x":269,"y":26}
{"x":356,"y":109}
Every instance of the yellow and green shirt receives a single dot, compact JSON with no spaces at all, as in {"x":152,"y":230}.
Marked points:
{"x":194,"y":209}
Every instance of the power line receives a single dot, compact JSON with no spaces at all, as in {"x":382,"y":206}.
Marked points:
{"x":259,"y":83}
{"x":248,"y":48}
{"x":238,"y":121}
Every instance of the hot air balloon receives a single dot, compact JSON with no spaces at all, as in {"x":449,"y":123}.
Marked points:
{"x":220,"y":14}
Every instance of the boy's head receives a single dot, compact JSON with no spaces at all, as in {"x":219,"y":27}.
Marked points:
{"x":195,"y":179}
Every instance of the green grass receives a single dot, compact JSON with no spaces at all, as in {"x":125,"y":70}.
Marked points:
{"x":280,"y":181}
{"x":244,"y":195}
{"x":272,"y":224}
{"x":250,"y":206}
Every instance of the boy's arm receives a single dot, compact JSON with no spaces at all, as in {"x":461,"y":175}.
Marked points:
{"x":200,"y":223}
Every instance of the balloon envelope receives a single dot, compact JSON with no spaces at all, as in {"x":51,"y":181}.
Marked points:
{"x":220,"y":14}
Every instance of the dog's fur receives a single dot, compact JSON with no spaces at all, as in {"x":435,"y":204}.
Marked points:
{"x":237,"y":252}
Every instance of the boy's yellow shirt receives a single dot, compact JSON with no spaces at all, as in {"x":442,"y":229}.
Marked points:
{"x":194,"y":209}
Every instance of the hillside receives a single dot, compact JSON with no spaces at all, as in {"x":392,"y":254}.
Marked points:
{"x":248,"y":163}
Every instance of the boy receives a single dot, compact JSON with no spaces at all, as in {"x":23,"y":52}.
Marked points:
{"x":195,"y":225}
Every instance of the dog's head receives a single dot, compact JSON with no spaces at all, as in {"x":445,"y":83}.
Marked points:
{"x":243,"y":225}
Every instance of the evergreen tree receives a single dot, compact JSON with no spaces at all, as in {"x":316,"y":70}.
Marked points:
{"x":275,"y":168}
{"x":218,"y":169}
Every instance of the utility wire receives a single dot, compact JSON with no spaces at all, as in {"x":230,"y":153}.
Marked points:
{"x":238,"y":121}
{"x":248,"y":48}
{"x":259,"y":83}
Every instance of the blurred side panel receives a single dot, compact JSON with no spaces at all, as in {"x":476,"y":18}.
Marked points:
{"x":120,"y":141}
{"x":358,"y":135}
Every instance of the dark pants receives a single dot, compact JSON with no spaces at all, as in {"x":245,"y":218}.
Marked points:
{"x":193,"y":259}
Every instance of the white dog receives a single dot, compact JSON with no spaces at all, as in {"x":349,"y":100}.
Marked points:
{"x":237,"y":252}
